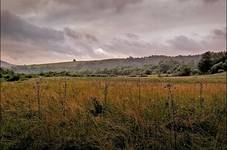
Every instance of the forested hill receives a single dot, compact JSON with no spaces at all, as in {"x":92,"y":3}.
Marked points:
{"x":107,"y":64}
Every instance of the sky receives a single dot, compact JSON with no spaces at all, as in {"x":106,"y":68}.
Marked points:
{"x":47,"y":31}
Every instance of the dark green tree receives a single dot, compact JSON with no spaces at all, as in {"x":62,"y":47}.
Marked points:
{"x":205,"y":63}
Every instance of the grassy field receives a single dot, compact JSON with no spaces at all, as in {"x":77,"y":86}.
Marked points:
{"x":114,"y":113}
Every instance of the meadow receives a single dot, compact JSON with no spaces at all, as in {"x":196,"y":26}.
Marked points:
{"x":114,"y":113}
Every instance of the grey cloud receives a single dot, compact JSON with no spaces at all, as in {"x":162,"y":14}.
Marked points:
{"x":116,"y":5}
{"x":210,"y":1}
{"x":132,"y":36}
{"x":184,"y":43}
{"x":14,"y":27}
{"x":219,"y":33}
{"x":205,"y":1}
{"x":80,"y":35}
{"x":23,"y":53}
{"x":81,"y":11}
{"x":23,"y":6}
{"x":22,"y":39}
{"x":128,"y":46}
{"x":215,"y":40}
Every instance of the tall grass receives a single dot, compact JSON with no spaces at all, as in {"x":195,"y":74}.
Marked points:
{"x":115,"y":113}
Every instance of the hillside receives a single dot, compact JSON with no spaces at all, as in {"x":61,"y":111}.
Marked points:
{"x":5,"y":65}
{"x":76,"y":66}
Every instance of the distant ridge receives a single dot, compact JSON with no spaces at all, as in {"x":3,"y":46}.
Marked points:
{"x":5,"y":65}
{"x":75,"y":66}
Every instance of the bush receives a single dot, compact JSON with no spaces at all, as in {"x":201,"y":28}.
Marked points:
{"x":220,"y":70}
{"x":225,"y":65}
{"x":14,"y":77}
{"x":195,"y":71}
{"x":9,"y":75}
{"x":148,"y":72}
{"x":216,"y":67}
{"x":185,"y":71}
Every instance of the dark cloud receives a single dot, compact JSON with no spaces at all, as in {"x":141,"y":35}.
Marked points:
{"x":219,"y":33}
{"x":16,"y":28}
{"x":21,"y":40}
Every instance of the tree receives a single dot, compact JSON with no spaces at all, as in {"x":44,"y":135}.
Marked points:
{"x":205,"y":63}
{"x":164,"y":67}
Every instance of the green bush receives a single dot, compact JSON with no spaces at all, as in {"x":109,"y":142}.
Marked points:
{"x":185,"y":71}
{"x":216,"y":67}
{"x":9,"y":75}
{"x":14,"y":77}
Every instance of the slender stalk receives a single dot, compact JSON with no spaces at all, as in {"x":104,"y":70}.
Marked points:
{"x":29,"y":107}
{"x":1,"y":116}
{"x":125,"y":98}
{"x":63,"y":102}
{"x":64,"y":97}
{"x":172,"y":113}
{"x":218,"y":134}
{"x":106,"y":87}
{"x":139,"y":92}
{"x":38,"y":83}
{"x":226,"y":102}
{"x":201,"y":99}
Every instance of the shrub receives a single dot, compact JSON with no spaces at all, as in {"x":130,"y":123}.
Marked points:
{"x":185,"y":71}
{"x":216,"y":67}
{"x":195,"y":71}
{"x":14,"y":77}
{"x":220,"y":70}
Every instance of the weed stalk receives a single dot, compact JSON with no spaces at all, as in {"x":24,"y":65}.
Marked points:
{"x":105,"y":92}
{"x":172,"y":111}
{"x":38,"y":86}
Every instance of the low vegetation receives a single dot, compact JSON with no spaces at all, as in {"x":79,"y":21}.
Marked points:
{"x":9,"y":75}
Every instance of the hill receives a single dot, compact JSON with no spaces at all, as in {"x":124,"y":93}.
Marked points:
{"x":77,"y":66}
{"x":5,"y":65}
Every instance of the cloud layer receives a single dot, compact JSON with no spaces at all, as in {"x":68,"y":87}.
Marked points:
{"x":40,"y":31}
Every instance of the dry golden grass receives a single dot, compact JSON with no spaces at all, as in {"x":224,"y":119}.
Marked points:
{"x":149,"y":113}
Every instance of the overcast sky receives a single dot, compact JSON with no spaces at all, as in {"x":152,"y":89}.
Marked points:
{"x":42,"y":31}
